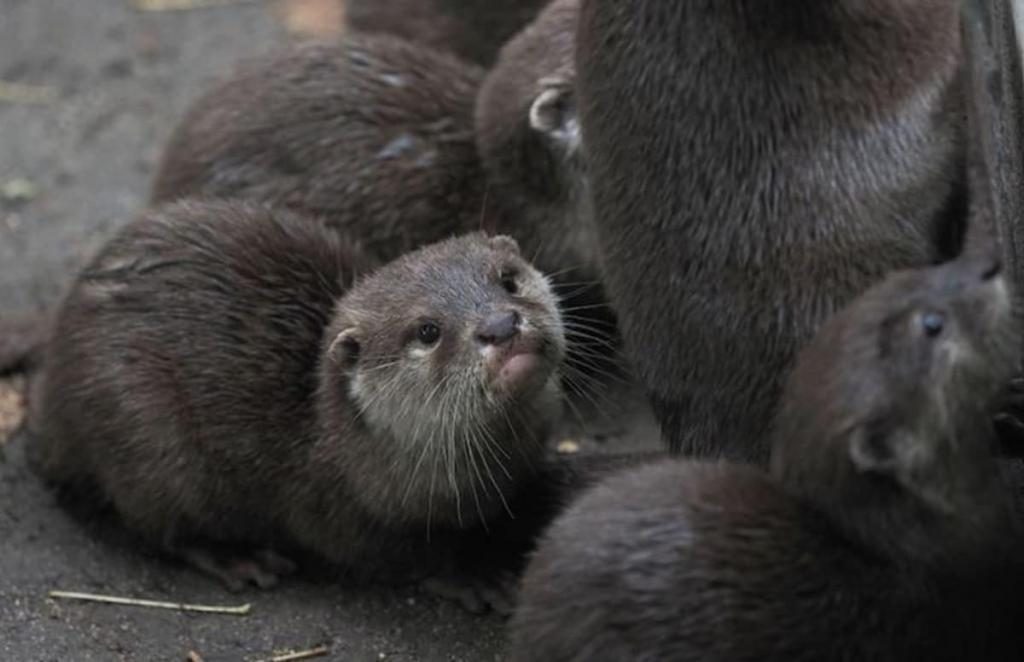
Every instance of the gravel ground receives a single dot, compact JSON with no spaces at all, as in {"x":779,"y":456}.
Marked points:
{"x":89,"y":91}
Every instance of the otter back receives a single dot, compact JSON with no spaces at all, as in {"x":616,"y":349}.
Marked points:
{"x":753,"y":169}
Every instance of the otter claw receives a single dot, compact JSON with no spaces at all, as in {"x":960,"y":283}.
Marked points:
{"x":263,"y":570}
{"x":476,"y":596}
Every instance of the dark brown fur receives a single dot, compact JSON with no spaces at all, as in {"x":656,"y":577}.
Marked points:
{"x":755,"y":165}
{"x":373,"y":134}
{"x":472,"y":29}
{"x":397,"y":167}
{"x":217,"y":375}
{"x":883,"y":533}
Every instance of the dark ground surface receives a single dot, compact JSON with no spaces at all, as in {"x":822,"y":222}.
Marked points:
{"x":75,"y":165}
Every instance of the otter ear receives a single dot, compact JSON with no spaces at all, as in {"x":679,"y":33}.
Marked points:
{"x":553,"y":114}
{"x":345,"y":348}
{"x":874,"y":449}
{"x":503,"y":242}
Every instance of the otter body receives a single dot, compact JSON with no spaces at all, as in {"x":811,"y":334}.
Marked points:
{"x":228,"y":375}
{"x":373,"y":134}
{"x":472,"y":29}
{"x":884,"y":531}
{"x":756,"y":165}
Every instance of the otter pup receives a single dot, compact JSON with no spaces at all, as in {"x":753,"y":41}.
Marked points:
{"x":755,"y":165}
{"x":229,"y":377}
{"x":373,"y":134}
{"x":472,"y":29}
{"x":883,"y":533}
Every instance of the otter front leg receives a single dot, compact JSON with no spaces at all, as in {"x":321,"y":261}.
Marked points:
{"x":263,"y":568}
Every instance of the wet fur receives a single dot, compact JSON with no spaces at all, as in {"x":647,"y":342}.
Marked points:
{"x":755,"y":166}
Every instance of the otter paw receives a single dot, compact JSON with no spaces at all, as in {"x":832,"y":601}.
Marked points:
{"x":475,"y":595}
{"x":263,"y":569}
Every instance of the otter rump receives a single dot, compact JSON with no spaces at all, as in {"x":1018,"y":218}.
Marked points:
{"x":227,"y":377}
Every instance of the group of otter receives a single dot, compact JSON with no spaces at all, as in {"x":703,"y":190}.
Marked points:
{"x":332,"y":332}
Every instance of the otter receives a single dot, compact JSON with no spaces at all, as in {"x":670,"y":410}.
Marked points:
{"x":400,"y":145}
{"x":238,"y":383}
{"x":373,"y":134}
{"x":474,"y":30}
{"x":528,"y":138}
{"x":754,"y":166}
{"x":393,"y":143}
{"x":883,"y":531}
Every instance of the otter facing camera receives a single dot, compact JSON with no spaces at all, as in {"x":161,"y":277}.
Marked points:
{"x":553,"y":114}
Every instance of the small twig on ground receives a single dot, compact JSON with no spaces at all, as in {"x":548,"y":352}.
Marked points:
{"x":153,"y":604}
{"x":319,"y":651}
{"x":185,"y":5}
{"x":24,"y":93}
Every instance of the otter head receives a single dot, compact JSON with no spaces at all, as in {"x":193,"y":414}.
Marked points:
{"x":529,"y":140}
{"x":528,"y":133}
{"x":886,"y":420}
{"x":448,"y":358}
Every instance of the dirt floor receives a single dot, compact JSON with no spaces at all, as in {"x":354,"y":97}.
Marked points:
{"x":89,"y":91}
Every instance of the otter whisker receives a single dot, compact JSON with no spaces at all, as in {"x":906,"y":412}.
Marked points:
{"x":427,"y":444}
{"x":470,"y":444}
{"x":589,"y":306}
{"x":564,"y":270}
{"x":488,"y":440}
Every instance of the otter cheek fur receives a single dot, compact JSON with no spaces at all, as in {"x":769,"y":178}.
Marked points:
{"x":455,"y":377}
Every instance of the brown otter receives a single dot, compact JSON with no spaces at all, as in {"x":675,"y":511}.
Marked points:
{"x":755,"y":165}
{"x":377,"y":136}
{"x":374,"y":134}
{"x":472,"y":29}
{"x":529,"y":141}
{"x":883,"y":533}
{"x":225,"y":376}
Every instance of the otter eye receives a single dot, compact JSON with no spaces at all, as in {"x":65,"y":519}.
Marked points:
{"x":428,"y":333}
{"x":507,"y":277}
{"x":933,"y":323}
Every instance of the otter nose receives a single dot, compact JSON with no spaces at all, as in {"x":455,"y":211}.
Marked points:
{"x":498,"y":327}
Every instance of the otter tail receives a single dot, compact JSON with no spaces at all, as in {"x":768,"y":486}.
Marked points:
{"x":21,"y":342}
